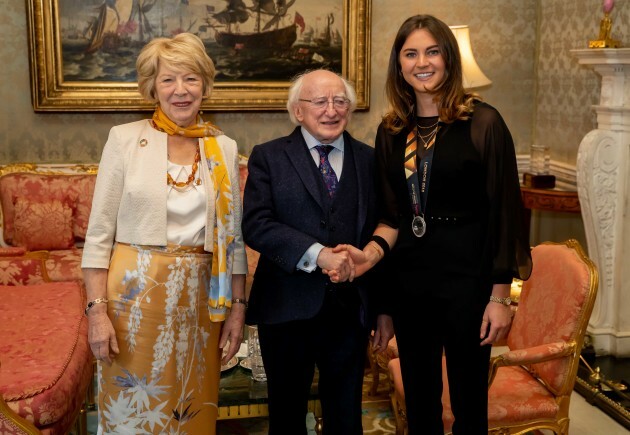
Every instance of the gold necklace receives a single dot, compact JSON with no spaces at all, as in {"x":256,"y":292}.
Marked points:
{"x":191,"y":177}
{"x":428,"y":135}
{"x":429,"y":138}
{"x":429,"y":126}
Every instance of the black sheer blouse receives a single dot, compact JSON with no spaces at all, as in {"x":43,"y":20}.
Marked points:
{"x":474,"y":211}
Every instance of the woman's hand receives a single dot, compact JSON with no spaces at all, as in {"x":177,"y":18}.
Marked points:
{"x":101,"y":333}
{"x":384,"y":332}
{"x":499,"y":318}
{"x":232,"y":332}
{"x":496,"y":316}
{"x":364,"y":260}
{"x":102,"y":336}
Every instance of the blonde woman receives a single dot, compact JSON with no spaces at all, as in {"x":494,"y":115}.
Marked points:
{"x":164,"y":261}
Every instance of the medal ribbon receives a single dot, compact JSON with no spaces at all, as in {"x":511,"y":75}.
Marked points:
{"x":418,"y":188}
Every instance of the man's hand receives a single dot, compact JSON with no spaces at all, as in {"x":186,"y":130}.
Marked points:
{"x":362,"y":261}
{"x":337,"y":265}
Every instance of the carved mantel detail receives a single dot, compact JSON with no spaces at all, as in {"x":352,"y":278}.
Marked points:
{"x":603,"y":163}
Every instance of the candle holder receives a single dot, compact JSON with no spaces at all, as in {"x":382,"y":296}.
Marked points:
{"x":538,"y":176}
{"x":605,"y":28}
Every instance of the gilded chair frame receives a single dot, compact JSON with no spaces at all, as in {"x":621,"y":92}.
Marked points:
{"x":569,"y":349}
{"x":547,"y":352}
{"x":19,"y":424}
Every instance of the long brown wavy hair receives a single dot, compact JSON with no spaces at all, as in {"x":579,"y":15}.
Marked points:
{"x":452,"y":100}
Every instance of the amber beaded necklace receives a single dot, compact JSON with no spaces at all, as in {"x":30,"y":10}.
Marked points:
{"x":191,"y":177}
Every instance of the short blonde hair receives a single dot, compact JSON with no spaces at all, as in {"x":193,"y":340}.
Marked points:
{"x":184,"y":51}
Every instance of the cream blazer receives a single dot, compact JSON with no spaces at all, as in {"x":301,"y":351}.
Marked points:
{"x":129,"y":203}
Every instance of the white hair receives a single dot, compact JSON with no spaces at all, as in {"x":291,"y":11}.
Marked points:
{"x":296,"y":88}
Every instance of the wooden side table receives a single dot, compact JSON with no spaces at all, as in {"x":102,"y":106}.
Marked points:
{"x":556,"y":200}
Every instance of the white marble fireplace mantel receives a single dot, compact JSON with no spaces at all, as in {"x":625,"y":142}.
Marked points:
{"x":603,"y":181}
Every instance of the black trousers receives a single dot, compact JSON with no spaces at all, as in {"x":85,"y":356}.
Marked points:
{"x":429,"y":326}
{"x":335,"y":342}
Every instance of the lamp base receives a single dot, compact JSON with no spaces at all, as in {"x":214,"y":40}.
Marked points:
{"x":539,"y":181}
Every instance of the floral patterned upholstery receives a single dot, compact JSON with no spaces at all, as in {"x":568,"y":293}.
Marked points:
{"x":531,"y":384}
{"x":42,"y":224}
{"x":550,"y":310}
{"x":30,"y":197}
{"x":25,"y":270}
{"x":44,"y":370}
{"x":73,"y":187}
{"x":12,"y":251}
{"x":74,"y":190}
{"x":64,"y":265}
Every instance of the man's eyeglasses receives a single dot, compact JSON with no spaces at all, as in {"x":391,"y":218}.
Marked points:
{"x":340,"y":103}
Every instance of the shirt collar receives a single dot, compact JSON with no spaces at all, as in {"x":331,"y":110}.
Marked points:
{"x":311,"y":142}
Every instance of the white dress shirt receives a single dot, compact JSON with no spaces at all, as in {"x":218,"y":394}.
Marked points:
{"x":308,"y":262}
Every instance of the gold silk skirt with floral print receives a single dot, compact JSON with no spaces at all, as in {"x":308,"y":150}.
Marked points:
{"x":165,"y":379}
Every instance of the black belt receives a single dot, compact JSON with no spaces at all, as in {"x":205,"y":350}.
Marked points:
{"x":449,"y":220}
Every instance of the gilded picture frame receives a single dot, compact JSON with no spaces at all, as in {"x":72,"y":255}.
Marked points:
{"x":54,"y":89}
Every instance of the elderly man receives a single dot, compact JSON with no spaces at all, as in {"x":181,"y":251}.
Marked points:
{"x":306,"y":193}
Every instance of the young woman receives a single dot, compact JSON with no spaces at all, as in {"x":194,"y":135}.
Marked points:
{"x":450,"y":212}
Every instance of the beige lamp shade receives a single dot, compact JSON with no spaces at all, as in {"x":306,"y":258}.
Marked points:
{"x":472,"y":74}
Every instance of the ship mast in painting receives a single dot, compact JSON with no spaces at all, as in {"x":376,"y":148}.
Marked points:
{"x":116,"y":22}
{"x":271,"y":35}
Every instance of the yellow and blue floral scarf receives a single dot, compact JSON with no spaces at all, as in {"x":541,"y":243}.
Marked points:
{"x":223,"y":248}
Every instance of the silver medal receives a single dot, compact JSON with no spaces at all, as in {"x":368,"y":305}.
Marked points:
{"x":418,"y":226}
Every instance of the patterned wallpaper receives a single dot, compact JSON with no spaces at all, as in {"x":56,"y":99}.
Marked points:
{"x":502,"y":33}
{"x":551,"y":105}
{"x":565,"y":89}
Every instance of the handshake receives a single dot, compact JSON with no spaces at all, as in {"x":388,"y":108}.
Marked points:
{"x":346,"y":262}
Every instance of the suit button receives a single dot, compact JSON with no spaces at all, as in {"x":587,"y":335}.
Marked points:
{"x":323,"y":224}
{"x":332,"y":229}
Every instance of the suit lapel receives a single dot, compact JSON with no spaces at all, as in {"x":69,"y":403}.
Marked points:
{"x":301,"y":159}
{"x":360,"y":167}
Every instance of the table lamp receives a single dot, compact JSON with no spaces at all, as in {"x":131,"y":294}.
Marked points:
{"x":472,"y":75}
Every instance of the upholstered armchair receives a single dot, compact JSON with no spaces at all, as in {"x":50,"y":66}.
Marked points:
{"x":530,"y":385}
{"x":45,"y":360}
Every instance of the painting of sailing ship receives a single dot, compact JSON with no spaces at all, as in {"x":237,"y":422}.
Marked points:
{"x":249,"y":40}
{"x":83,"y":52}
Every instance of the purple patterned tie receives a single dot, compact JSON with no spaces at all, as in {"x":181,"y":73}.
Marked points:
{"x":330,"y":178}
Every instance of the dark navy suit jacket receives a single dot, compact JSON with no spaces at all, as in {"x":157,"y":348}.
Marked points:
{"x":282,"y":212}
